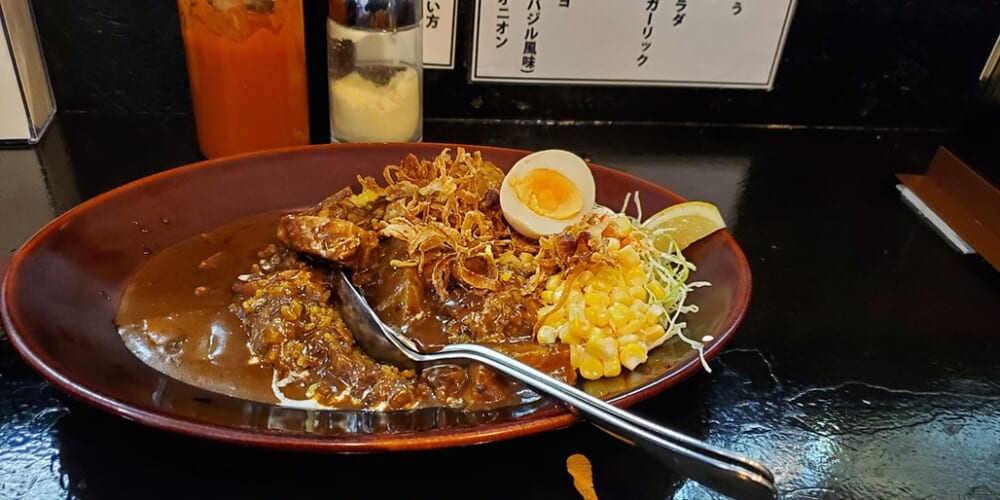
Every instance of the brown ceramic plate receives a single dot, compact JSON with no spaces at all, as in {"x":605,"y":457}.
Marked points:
{"x":62,"y":289}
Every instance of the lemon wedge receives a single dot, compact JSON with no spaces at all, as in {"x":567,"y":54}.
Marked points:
{"x":684,"y":223}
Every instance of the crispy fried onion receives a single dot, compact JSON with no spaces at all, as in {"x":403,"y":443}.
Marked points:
{"x":447,"y":211}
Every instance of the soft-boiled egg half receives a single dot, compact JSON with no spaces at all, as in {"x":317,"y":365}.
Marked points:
{"x":547,"y":191}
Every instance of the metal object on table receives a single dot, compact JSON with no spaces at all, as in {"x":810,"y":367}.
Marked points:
{"x":27,"y":104}
{"x":721,"y":470}
{"x":989,"y":77}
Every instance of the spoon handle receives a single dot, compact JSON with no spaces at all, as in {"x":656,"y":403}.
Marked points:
{"x":718,"y":469}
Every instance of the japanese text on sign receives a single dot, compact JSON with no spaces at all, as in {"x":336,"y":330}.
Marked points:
{"x":439,"y":33}
{"x":698,"y":43}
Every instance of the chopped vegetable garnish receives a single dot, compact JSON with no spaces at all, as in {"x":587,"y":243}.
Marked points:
{"x":621,"y":292}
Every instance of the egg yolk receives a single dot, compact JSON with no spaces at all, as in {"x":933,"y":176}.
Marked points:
{"x":549,"y":193}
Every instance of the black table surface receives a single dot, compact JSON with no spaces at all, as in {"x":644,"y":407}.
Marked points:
{"x":866,"y":367}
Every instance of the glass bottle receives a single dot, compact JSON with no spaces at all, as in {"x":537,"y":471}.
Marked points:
{"x":247,"y":68}
{"x":375,"y":64}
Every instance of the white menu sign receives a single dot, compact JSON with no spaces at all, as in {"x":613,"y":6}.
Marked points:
{"x":694,"y":43}
{"x":439,"y":33}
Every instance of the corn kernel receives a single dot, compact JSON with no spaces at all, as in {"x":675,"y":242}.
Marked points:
{"x":605,"y":317}
{"x":556,"y":318}
{"x":651,"y":318}
{"x":602,"y":347}
{"x":574,"y":355}
{"x":631,"y":327}
{"x":571,"y":335}
{"x":632,"y":355}
{"x":509,"y":259}
{"x":654,"y":335}
{"x":629,"y":339}
{"x":590,"y":367}
{"x":602,"y":284}
{"x":655,"y":313}
{"x":635,"y":277}
{"x":612,"y":367}
{"x":598,"y":317}
{"x":656,"y":289}
{"x":620,"y":295}
{"x":622,"y":226}
{"x":628,"y":257}
{"x":595,"y":299}
{"x":553,"y":282}
{"x":547,"y":334}
{"x":620,"y":315}
{"x":599,"y":332}
{"x":561,"y":328}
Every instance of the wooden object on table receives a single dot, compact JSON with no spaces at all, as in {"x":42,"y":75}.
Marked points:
{"x":963,"y":200}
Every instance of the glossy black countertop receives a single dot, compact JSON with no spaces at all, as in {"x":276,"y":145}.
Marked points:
{"x":866,"y":367}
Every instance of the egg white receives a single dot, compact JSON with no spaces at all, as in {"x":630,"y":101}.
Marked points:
{"x":522,"y":218}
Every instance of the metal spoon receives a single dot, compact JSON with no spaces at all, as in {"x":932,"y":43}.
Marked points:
{"x":718,"y":469}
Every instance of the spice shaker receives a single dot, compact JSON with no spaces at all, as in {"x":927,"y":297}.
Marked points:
{"x":246,"y":64}
{"x":375,"y":65}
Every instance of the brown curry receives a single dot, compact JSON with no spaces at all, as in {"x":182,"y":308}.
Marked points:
{"x":247,"y":309}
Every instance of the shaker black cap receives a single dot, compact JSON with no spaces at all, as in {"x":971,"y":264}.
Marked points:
{"x":376,"y":14}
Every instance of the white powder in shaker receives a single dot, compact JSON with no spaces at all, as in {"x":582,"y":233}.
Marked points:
{"x":363,"y":111}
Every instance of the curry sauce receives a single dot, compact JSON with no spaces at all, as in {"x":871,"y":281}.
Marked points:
{"x":182,"y":314}
{"x":175,"y":315}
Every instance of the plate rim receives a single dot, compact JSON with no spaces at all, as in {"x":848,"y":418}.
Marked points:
{"x":542,"y":421}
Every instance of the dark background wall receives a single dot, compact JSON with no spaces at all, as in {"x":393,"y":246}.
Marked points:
{"x":847,"y":63}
